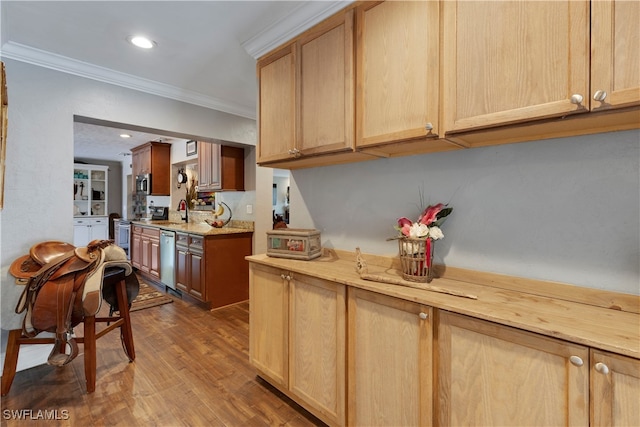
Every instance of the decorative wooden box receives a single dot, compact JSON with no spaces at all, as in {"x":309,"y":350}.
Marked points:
{"x":294,"y":243}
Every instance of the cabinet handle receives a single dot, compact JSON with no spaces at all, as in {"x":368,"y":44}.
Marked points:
{"x":283,"y":276}
{"x":600,"y":95}
{"x":576,"y":361}
{"x":429,"y":127}
{"x":576,"y":98}
{"x":602,"y":368}
{"x":423,"y":315}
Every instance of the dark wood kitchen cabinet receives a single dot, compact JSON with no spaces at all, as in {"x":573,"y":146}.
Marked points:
{"x":153,"y":158}
{"x":145,"y":250}
{"x":189,"y":265}
{"x":213,"y":269}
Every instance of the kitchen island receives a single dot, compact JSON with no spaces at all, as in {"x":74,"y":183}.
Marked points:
{"x":210,"y":264}
{"x":505,"y":351}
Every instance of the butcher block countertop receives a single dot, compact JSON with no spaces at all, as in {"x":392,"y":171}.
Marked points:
{"x":600,"y":319}
{"x":200,"y":228}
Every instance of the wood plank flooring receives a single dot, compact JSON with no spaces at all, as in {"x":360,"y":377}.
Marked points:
{"x":191,"y":369}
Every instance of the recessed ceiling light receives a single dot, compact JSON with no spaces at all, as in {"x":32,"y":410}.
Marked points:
{"x":141,"y":42}
{"x":125,"y":135}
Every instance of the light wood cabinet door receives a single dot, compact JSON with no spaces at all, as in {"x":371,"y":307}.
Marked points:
{"x":494,"y":375}
{"x":317,"y":344}
{"x":277,"y":103}
{"x":389,"y":361}
{"x":615,"y":54}
{"x":615,"y":390}
{"x":397,"y":66}
{"x":269,"y":323}
{"x":513,"y":61}
{"x":326,"y":86}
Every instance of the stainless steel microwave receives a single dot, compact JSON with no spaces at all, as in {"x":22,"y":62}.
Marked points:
{"x":143,"y":184}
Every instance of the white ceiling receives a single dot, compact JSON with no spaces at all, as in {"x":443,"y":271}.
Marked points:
{"x":205,"y":54}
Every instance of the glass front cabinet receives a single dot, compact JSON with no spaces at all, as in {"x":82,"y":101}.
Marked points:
{"x":90,"y":189}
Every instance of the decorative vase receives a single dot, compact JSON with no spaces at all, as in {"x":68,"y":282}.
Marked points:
{"x":416,"y":258}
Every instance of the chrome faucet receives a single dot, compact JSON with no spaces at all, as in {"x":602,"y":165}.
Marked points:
{"x":183,"y":206}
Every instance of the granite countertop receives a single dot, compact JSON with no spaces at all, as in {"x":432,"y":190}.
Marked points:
{"x":200,"y":228}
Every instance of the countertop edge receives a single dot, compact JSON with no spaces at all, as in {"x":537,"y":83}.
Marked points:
{"x":201,"y":229}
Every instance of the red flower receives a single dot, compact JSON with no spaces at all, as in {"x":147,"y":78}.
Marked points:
{"x":404,"y":224}
{"x":430,"y":214}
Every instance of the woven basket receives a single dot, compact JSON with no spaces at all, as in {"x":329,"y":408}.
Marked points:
{"x":417,"y":264}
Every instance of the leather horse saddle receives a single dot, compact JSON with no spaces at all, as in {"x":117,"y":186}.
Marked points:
{"x":63,"y":284}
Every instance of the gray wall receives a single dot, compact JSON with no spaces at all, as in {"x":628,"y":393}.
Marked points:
{"x":565,"y":210}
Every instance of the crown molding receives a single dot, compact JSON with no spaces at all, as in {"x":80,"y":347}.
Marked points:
{"x":297,"y":21}
{"x":31,"y":55}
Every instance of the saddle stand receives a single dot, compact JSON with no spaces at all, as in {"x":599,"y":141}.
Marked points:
{"x":64,"y":287}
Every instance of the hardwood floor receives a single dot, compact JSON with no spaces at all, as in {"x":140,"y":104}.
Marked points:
{"x":191,"y":369}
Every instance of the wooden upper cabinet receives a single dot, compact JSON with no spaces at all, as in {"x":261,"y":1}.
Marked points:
{"x":153,"y":158}
{"x":276,"y":75}
{"x":326,"y":87}
{"x":220,"y":167}
{"x":507,"y":62}
{"x":615,"y":54}
{"x":397,"y":71}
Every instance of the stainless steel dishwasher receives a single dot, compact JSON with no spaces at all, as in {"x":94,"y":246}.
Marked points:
{"x":168,"y":258}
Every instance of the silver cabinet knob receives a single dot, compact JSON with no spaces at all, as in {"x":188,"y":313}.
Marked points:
{"x":428,"y":127}
{"x":600,"y":95}
{"x":577,"y":99}
{"x":283,"y":276}
{"x":576,"y":361}
{"x":602,"y":368}
{"x":423,"y":316}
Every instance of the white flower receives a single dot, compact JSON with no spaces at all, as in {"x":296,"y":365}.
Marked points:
{"x":435,"y":233}
{"x":418,"y":230}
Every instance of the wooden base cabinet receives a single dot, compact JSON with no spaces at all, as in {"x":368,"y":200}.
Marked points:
{"x":489,"y":374}
{"x":189,"y":265}
{"x":390,"y":361}
{"x":297,"y":338}
{"x":86,"y":230}
{"x":615,"y":390}
{"x":213,"y":269}
{"x":317,"y":327}
{"x":145,"y":250}
{"x":269,"y":323}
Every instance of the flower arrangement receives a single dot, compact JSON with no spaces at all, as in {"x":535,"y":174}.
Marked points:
{"x":428,"y":224}
{"x":415,"y":241}
{"x":192,"y":193}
